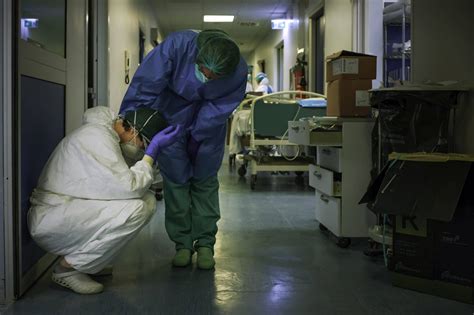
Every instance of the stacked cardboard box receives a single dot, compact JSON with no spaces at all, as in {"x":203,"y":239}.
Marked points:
{"x":349,"y":76}
{"x":454,"y":248}
{"x":432,"y":202}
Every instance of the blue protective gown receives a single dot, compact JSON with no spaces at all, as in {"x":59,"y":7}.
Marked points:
{"x":165,"y":81}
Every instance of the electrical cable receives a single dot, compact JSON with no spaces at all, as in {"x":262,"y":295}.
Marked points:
{"x":282,"y":139}
{"x":383,"y":241}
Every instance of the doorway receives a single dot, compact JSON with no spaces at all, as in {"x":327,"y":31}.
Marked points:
{"x":97,"y":53}
{"x":50,"y":97}
{"x":280,"y":62}
{"x":318,"y":26}
{"x":40,"y":116}
{"x":7,"y":228}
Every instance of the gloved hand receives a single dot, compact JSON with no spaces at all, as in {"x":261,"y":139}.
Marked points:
{"x":193,"y":147}
{"x":162,"y":139}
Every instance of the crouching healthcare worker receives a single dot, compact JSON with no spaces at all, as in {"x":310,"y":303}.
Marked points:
{"x":195,"y":79}
{"x":88,"y":202}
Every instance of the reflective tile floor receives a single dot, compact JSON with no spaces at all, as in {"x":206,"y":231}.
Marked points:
{"x":271,"y":259}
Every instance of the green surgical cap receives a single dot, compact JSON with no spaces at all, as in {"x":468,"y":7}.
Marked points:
{"x":146,"y":121}
{"x":217,"y":52}
{"x":260,"y":76}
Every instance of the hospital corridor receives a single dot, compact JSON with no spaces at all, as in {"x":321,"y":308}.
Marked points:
{"x":236,"y":157}
{"x":269,"y":260}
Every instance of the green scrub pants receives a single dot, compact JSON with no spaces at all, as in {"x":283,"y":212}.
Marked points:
{"x":192,"y":211}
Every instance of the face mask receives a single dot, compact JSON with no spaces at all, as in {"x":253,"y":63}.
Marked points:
{"x":131,"y":151}
{"x":199,"y":75}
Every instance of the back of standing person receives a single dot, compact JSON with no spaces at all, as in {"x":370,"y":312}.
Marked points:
{"x":263,"y":84}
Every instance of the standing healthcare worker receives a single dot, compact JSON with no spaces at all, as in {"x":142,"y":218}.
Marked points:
{"x":195,"y":79}
{"x":263,"y":84}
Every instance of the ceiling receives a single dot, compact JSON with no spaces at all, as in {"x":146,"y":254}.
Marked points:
{"x":174,"y":15}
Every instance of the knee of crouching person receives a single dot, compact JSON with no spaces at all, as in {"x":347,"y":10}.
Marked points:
{"x":144,"y":209}
{"x":149,"y":205}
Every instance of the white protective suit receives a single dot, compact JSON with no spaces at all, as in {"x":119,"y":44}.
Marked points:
{"x":240,"y":127}
{"x":249,"y":87}
{"x":264,"y":86}
{"x":88,"y":203}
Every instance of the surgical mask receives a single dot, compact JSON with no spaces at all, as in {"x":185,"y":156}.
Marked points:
{"x":131,"y":151}
{"x":199,"y":75}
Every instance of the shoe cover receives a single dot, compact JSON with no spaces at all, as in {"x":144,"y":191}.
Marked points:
{"x":182,"y":258}
{"x":205,"y":258}
{"x":78,"y":282}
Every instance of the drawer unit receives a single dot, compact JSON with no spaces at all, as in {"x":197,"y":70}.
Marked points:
{"x":341,"y":171}
{"x":325,"y":180}
{"x":328,"y":212}
{"x":301,"y":132}
{"x":330,"y":158}
{"x":298,"y":132}
{"x":323,"y":138}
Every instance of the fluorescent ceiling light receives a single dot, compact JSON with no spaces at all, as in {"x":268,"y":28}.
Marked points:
{"x":218,"y":18}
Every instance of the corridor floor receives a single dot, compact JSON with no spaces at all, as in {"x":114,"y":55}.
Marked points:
{"x":271,"y":259}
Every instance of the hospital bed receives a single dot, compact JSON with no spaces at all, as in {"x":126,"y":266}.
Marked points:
{"x":269,"y":149}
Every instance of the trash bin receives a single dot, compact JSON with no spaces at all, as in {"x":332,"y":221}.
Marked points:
{"x":411,"y":121}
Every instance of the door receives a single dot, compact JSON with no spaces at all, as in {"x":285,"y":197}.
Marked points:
{"x":51,"y":96}
{"x":280,"y":67}
{"x":318,"y":21}
{"x":97,"y":53}
{"x":40,"y":116}
{"x":6,"y":213}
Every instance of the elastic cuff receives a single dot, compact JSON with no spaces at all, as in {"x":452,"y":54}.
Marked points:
{"x":148,"y":159}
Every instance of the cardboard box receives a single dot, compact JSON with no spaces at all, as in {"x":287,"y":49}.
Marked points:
{"x":420,"y":185}
{"x":362,"y":98}
{"x":455,"y":266}
{"x":454,"y":245}
{"x":431,"y":197}
{"x":350,"y":65}
{"x":414,"y":247}
{"x":435,"y":287}
{"x":341,"y":98}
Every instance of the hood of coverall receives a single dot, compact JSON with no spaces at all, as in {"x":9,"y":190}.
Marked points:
{"x":99,"y":115}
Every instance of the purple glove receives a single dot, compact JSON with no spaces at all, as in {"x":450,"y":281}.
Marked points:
{"x":193,"y":147}
{"x":162,"y":139}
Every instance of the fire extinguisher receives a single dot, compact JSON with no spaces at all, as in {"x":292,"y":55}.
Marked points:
{"x":299,"y":74}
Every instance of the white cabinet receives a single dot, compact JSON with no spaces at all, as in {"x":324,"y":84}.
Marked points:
{"x":328,"y":212}
{"x":330,"y":158}
{"x":301,"y":132}
{"x":325,"y":180}
{"x":342,"y":174}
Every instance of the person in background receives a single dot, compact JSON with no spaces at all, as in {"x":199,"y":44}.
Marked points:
{"x":263,"y":84}
{"x":88,"y":202}
{"x":195,"y":79}
{"x":249,"y":87}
